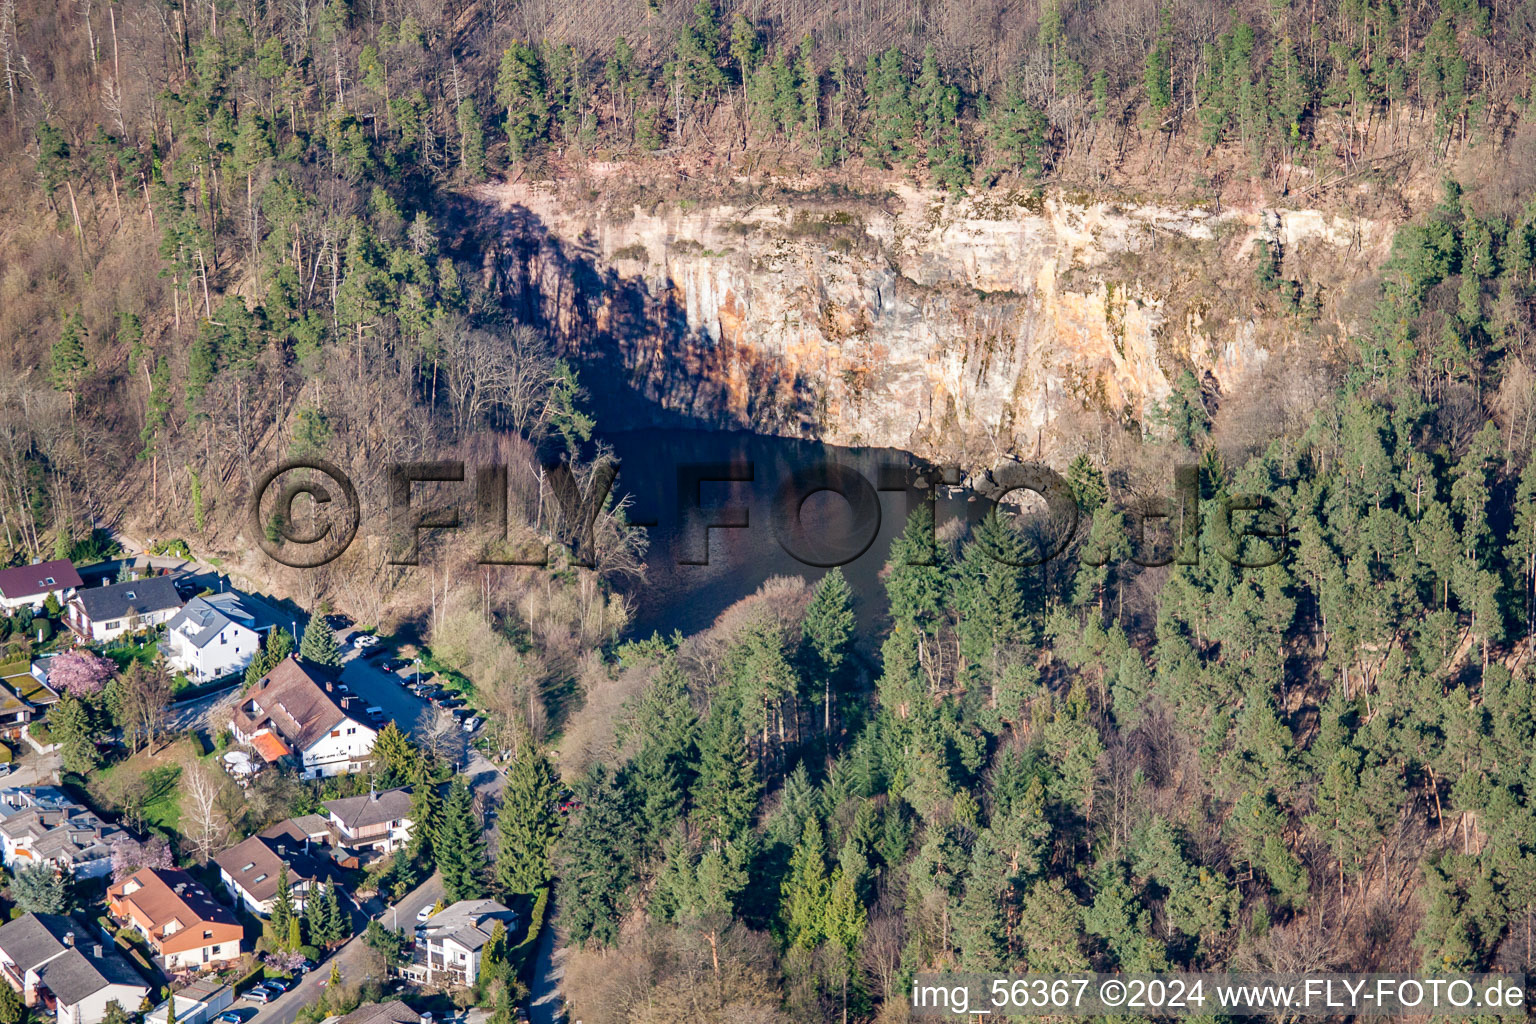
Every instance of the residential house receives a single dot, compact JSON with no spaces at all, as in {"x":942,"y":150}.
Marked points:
{"x":378,"y":821}
{"x":198,"y":1003}
{"x":449,"y":944}
{"x":392,"y":1012}
{"x":66,"y":969}
{"x":28,"y":586}
{"x":101,"y":613}
{"x":295,"y":711}
{"x":213,"y":636}
{"x":251,"y":869}
{"x":182,"y":923}
{"x":42,"y":825}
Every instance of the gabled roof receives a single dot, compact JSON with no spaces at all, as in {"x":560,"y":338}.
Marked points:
{"x":392,"y":1012}
{"x":33,"y":938}
{"x":204,"y":618}
{"x":76,"y":975}
{"x":294,"y":700}
{"x":305,"y":826}
{"x":355,"y":812}
{"x":34,"y":580}
{"x":158,"y":897}
{"x":136,"y":597}
{"x":256,"y":863}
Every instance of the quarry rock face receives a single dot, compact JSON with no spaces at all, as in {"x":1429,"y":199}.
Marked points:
{"x":921,"y":322}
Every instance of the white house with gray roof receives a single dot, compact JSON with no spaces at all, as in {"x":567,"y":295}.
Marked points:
{"x":449,"y":944}
{"x":66,"y":969}
{"x":213,"y":636}
{"x":101,"y":613}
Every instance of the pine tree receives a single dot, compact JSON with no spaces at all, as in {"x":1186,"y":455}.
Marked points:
{"x":803,"y":895}
{"x":278,"y":646}
{"x":74,"y":729}
{"x":314,"y":918}
{"x":526,"y":825}
{"x":725,"y":796}
{"x":426,"y":813}
{"x":990,"y":614}
{"x":599,"y":850}
{"x":319,"y":644}
{"x":460,"y":846}
{"x":282,"y":907}
{"x":68,"y":365}
{"x":337,"y":925}
{"x":826,"y":635}
{"x":394,"y":758}
{"x":520,"y":91}
{"x":662,"y":770}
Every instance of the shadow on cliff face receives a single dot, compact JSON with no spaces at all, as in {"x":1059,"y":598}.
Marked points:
{"x":639,"y":359}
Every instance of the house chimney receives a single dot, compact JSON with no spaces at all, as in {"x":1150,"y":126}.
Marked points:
{"x":69,"y":938}
{"x":282,"y":849}
{"x":96,"y":951}
{"x":330,"y":687}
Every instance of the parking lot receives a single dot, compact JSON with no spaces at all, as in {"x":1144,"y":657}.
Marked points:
{"x":375,"y":687}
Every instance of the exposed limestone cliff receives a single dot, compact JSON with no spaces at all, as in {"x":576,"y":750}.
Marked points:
{"x":915,"y":321}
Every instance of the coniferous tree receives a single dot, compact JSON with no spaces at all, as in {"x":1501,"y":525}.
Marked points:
{"x":662,"y":770}
{"x":826,"y":635}
{"x":599,"y":850}
{"x":426,"y":813}
{"x":520,"y":92}
{"x":318,"y":647}
{"x":526,"y":824}
{"x":803,"y":896}
{"x":282,"y":907}
{"x":725,"y":795}
{"x":460,"y":846}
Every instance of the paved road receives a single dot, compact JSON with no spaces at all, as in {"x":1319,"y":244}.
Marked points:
{"x":544,"y":1003}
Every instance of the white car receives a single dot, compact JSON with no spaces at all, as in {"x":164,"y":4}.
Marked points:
{"x":364,"y":641}
{"x":471,"y":724}
{"x":425,"y":912}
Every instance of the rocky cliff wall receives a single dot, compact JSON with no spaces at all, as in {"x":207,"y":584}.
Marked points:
{"x":911,"y":320}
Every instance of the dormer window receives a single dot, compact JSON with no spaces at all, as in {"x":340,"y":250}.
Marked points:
{"x":132,"y":596}
{"x":49,"y":581}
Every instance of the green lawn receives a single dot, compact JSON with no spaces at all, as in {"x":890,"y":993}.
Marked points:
{"x":143,"y":788}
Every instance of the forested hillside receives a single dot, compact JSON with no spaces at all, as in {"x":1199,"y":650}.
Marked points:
{"x":236,"y":231}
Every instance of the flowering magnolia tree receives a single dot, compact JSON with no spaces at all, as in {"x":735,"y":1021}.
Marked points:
{"x":285,"y":962}
{"x":128,"y":855}
{"x":81,"y":673}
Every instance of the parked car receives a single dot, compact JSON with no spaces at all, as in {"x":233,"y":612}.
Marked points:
{"x":394,"y":664}
{"x":338,"y":621}
{"x":229,"y":1017}
{"x":277,"y":985}
{"x":424,"y":913}
{"x":472,"y":724}
{"x":462,"y":713}
{"x":375,"y":714}
{"x":365,"y":640}
{"x":260,"y":994}
{"x":451,"y":703}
